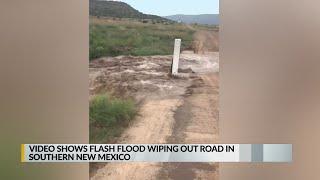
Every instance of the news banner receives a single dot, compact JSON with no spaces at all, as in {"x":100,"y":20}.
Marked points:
{"x":156,"y":152}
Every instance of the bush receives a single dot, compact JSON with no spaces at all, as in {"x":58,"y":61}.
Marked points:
{"x":108,"y":116}
{"x":135,"y":38}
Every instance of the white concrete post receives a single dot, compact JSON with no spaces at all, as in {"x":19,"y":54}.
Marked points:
{"x":176,"y":57}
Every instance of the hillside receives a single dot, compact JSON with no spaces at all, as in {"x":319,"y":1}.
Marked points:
{"x":210,"y":19}
{"x":118,"y":9}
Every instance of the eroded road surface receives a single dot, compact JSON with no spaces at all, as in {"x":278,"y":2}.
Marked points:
{"x":172,"y":110}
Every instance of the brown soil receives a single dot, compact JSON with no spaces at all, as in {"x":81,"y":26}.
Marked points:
{"x":196,"y":121}
{"x":172,"y":110}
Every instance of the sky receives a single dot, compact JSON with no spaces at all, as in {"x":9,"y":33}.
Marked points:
{"x":172,"y":7}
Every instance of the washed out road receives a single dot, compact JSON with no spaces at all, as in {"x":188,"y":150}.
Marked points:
{"x":171,"y":110}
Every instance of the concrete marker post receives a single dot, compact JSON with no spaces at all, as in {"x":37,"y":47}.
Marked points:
{"x":176,"y":57}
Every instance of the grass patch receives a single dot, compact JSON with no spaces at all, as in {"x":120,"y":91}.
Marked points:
{"x":129,"y":37}
{"x":108,"y":117}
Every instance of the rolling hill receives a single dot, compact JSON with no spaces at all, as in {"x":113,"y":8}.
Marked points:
{"x":118,"y":9}
{"x":210,"y":19}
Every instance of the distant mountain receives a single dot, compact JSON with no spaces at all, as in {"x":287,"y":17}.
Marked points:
{"x":118,"y":9}
{"x":211,"y":19}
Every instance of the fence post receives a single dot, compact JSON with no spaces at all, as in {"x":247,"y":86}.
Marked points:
{"x":176,"y":57}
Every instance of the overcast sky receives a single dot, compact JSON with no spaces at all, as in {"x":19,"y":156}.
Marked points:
{"x":171,"y":7}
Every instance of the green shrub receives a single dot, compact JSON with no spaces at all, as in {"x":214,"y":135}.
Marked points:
{"x":138,"y":39}
{"x":108,"y":116}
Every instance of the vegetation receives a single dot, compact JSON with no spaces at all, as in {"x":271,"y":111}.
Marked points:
{"x":119,"y":10}
{"x":109,"y":37}
{"x":205,"y":27}
{"x":108,"y":117}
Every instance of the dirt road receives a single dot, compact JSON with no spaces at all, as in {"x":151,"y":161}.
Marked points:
{"x":206,"y":41}
{"x":196,"y":122}
{"x":172,"y":110}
